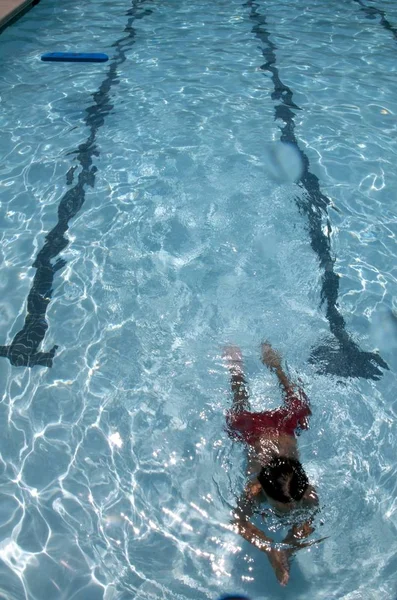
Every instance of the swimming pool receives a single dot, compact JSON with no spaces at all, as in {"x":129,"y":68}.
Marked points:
{"x":160,"y":181}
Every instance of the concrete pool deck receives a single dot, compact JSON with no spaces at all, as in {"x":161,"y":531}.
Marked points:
{"x":9,"y":9}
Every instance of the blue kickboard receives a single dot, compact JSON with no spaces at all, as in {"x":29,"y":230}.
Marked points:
{"x":75,"y":57}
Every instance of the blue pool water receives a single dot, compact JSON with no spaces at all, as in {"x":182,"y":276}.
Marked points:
{"x":182,"y":225}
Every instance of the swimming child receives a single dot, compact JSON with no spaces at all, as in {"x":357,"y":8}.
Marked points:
{"x":273,"y":457}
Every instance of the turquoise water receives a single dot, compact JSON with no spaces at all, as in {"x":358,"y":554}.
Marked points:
{"x":184,"y":226}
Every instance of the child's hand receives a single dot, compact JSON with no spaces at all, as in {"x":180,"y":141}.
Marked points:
{"x":279,"y":560}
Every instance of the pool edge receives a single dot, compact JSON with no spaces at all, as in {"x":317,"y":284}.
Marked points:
{"x":11,"y":11}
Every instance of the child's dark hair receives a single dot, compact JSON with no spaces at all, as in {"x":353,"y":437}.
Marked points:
{"x":283,"y":476}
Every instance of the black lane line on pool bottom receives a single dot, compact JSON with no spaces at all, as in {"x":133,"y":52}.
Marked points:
{"x":372,"y":12}
{"x":339,"y":355}
{"x":24,"y":348}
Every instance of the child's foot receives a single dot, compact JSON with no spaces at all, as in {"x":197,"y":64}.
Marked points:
{"x":234,"y":358}
{"x":270,"y":357}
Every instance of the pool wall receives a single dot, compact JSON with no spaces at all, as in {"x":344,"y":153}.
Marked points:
{"x":12,"y":9}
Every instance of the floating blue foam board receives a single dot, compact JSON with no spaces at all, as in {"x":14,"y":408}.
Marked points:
{"x":233,"y":597}
{"x":75,"y":57}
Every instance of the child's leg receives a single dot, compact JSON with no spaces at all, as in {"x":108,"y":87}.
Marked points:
{"x":272,"y":359}
{"x":239,"y":386}
{"x":295,"y":399}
